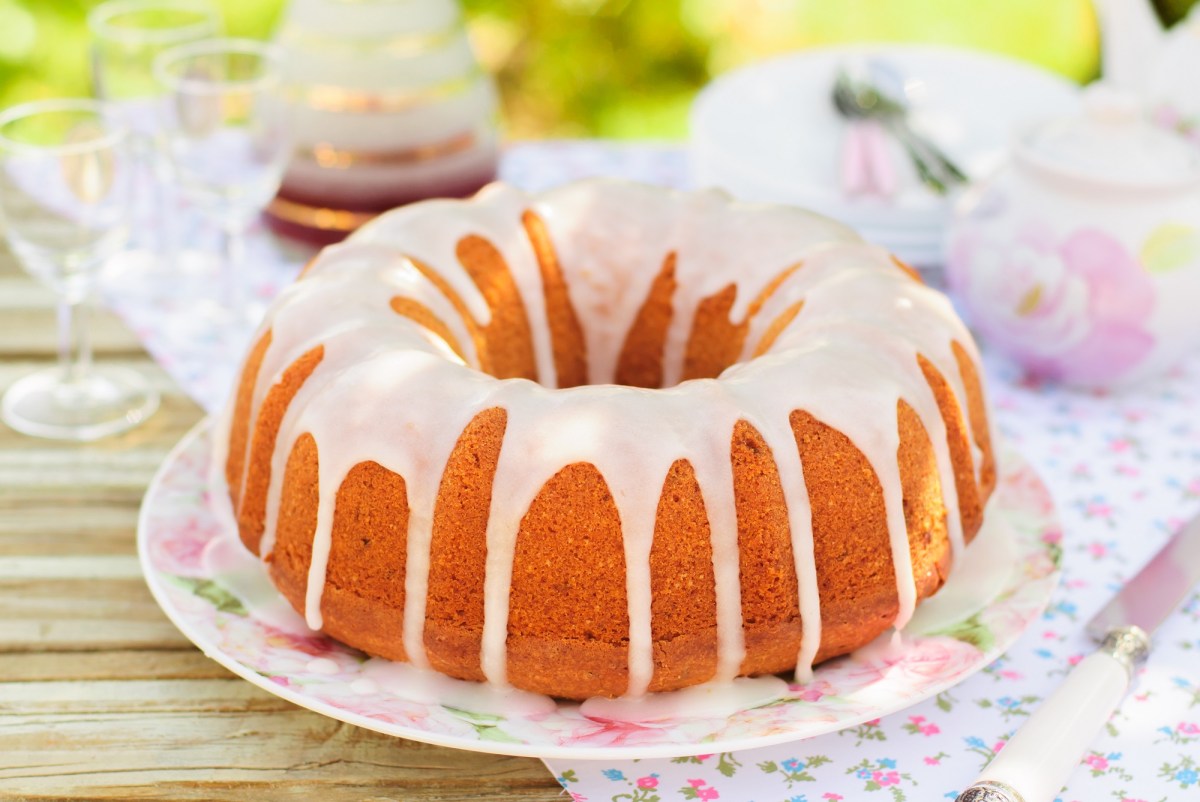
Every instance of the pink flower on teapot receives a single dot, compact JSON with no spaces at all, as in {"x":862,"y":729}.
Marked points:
{"x":1080,"y":256}
{"x":1074,"y":309}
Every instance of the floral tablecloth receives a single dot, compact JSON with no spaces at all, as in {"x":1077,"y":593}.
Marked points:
{"x":1124,"y":472}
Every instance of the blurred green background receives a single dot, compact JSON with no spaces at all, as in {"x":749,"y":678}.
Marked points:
{"x":618,"y":68}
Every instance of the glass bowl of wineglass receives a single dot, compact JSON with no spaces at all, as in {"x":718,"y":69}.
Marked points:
{"x":227,"y":139}
{"x":66,"y":175}
{"x":126,"y":37}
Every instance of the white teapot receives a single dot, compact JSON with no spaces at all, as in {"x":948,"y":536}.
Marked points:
{"x":1080,"y":259}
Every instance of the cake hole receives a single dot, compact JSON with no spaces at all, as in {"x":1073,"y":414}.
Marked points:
{"x":644,"y":352}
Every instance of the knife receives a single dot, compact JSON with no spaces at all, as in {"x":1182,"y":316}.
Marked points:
{"x":1037,"y":761}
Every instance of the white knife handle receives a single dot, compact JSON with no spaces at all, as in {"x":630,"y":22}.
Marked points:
{"x":1036,"y":763}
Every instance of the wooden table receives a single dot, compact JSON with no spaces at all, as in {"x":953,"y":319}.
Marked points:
{"x":100,"y":696}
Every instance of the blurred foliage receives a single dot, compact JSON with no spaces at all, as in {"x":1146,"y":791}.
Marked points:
{"x":625,"y":68}
{"x":617,"y":68}
{"x":44,"y":43}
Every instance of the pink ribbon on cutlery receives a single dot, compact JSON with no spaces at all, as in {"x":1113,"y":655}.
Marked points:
{"x":866,"y":164}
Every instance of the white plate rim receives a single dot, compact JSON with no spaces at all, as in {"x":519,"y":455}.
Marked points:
{"x":541,"y":751}
{"x":930,"y":214}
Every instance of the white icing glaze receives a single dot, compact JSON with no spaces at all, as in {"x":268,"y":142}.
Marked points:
{"x":429,"y":687}
{"x":242,"y":575}
{"x":322,"y":665}
{"x":979,"y":576}
{"x":389,"y":391}
{"x":716,"y":699}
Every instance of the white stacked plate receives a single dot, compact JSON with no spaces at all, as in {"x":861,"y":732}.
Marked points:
{"x":769,"y":132}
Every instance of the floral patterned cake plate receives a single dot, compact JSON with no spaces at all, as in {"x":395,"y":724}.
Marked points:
{"x":999,"y":588}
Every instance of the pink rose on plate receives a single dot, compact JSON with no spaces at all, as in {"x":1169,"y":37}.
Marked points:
{"x":1074,"y":310}
{"x":812,"y":691}
{"x":932,"y":659}
{"x":177,"y":549}
{"x":611,"y":732}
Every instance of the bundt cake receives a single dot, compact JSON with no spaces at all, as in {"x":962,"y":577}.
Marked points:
{"x":608,"y":439}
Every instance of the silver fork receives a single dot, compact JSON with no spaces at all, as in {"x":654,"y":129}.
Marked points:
{"x":863,"y":100}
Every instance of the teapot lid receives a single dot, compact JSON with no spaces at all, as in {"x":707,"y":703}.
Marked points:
{"x":1112,"y":142}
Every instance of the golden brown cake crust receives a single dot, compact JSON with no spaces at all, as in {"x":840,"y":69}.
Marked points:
{"x":252,"y":510}
{"x":458,"y":549}
{"x":856,"y":578}
{"x":716,"y":341}
{"x":570,"y":546}
{"x":566,"y":332}
{"x":683,"y":608}
{"x":290,"y":558}
{"x":423,"y":316}
{"x":364,"y":581}
{"x":508,"y":338}
{"x":239,"y":433}
{"x":970,"y":494}
{"x":641,"y":361}
{"x":569,"y":549}
{"x":781,"y":322}
{"x":766,"y":567}
{"x":977,"y":411}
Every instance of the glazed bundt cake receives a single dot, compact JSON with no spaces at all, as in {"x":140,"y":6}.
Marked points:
{"x":608,"y":439}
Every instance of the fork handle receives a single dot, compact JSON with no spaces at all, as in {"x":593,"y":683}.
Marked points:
{"x":1036,"y":763}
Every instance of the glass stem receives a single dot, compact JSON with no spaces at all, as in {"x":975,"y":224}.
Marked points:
{"x":74,"y":344}
{"x":160,"y":211}
{"x":233,"y":252}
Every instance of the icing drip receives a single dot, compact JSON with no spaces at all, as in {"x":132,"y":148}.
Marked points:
{"x":714,"y":472}
{"x":799,"y":510}
{"x":503,"y":522}
{"x":638,"y":513}
{"x":388,"y":390}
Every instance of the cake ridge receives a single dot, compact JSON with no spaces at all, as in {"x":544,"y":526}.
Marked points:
{"x":566,"y":333}
{"x":644,"y":348}
{"x":728,"y":338}
{"x":853,"y":306}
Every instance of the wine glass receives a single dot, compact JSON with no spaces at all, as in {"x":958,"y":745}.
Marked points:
{"x":226,"y":135}
{"x":127,"y":35}
{"x":65,"y":185}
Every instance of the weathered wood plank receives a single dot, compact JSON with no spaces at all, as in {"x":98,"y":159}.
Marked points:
{"x":286,"y":754}
{"x":86,"y":635}
{"x":30,"y":332}
{"x":68,"y":528}
{"x":81,"y":614}
{"x":395,"y":789}
{"x":31,"y":474}
{"x":24,"y":517}
{"x":118,"y":566}
{"x":76,"y":698}
{"x":16,"y":365}
{"x":130,"y":665}
{"x":79,"y":500}
{"x":18,"y":292}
